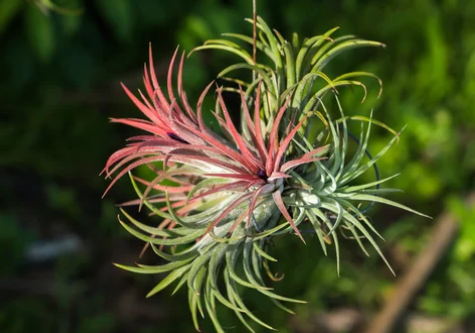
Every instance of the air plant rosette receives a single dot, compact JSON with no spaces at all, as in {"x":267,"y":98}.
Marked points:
{"x":287,"y":169}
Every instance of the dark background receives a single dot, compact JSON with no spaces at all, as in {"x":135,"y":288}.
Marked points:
{"x":59,"y":84}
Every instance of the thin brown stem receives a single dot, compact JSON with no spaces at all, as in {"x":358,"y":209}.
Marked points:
{"x":415,"y":277}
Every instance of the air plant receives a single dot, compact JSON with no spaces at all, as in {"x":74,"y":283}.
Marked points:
{"x":287,"y":166}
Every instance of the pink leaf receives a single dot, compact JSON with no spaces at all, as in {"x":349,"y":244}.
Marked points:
{"x":142,"y":107}
{"x":181,"y":93}
{"x":277,"y":175}
{"x":286,"y":142}
{"x":250,"y":159}
{"x":280,"y":204}
{"x":272,"y":146}
{"x":156,"y":87}
{"x":231,"y":153}
{"x":199,"y":107}
{"x":130,"y":167}
{"x":295,"y":163}
{"x":143,"y":125}
{"x":171,"y":95}
{"x":233,"y":176}
{"x":146,"y":81}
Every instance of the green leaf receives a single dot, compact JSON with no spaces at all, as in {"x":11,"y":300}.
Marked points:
{"x":217,"y":46}
{"x":231,"y":258}
{"x":289,"y":64}
{"x":151,"y":230}
{"x":353,"y":74}
{"x":212,"y":315}
{"x":194,"y":298}
{"x":261,"y":71}
{"x":273,"y":43}
{"x":345,"y":46}
{"x":367,"y":197}
{"x":363,"y":187}
{"x":347,"y":216}
{"x":144,"y":269}
{"x":369,"y":164}
{"x":196,"y":266}
{"x":233,"y":295}
{"x":180,"y":284}
{"x":176,"y":274}
{"x":373,"y":121}
{"x":308,"y":50}
{"x":302,"y":85}
{"x":313,"y":219}
{"x":214,"y":263}
{"x":239,"y":314}
{"x":360,"y":216}
{"x":261,"y":252}
{"x":174,"y":241}
{"x":260,"y":46}
{"x":325,"y":219}
{"x":197,"y":285}
{"x":257,"y":284}
{"x":187,"y":254}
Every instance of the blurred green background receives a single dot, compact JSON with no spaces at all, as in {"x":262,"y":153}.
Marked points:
{"x":60,"y":77}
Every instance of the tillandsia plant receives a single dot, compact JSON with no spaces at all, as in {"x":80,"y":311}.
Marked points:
{"x":287,"y":169}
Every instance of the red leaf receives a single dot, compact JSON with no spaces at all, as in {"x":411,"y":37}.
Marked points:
{"x":277,"y":175}
{"x":250,"y":159}
{"x":143,"y":125}
{"x":156,"y":87}
{"x":295,"y":163}
{"x":146,"y":81}
{"x":171,"y":95}
{"x":284,"y":144}
{"x":199,"y":106}
{"x":178,"y":156}
{"x":142,"y":107}
{"x":231,"y":153}
{"x":181,"y":93}
{"x":118,"y":155}
{"x":130,"y":167}
{"x":273,"y":139}
{"x":280,"y":204}
{"x":273,"y":136}
{"x":233,"y":176}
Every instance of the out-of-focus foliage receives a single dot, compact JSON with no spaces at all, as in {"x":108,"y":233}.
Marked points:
{"x":60,"y":81}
